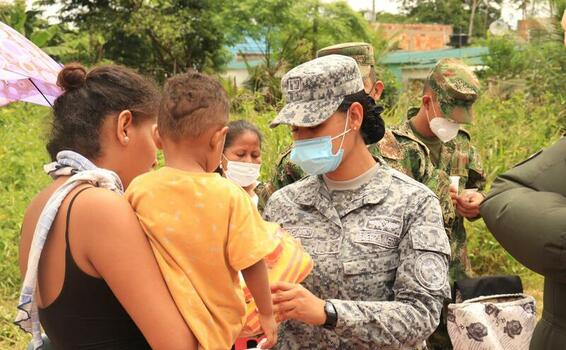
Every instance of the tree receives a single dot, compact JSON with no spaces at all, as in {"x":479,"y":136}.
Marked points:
{"x":293,"y":31}
{"x":471,"y":16}
{"x":57,"y":40}
{"x":159,"y":37}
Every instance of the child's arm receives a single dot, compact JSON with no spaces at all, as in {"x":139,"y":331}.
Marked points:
{"x":257,"y":282}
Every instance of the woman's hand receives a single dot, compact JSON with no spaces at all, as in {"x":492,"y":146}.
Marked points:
{"x":294,"y":302}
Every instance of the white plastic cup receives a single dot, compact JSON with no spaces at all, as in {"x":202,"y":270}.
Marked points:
{"x":455,"y":182}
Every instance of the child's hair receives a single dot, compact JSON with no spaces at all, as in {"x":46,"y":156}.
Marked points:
{"x":237,"y":128}
{"x":89,"y":98}
{"x":192,"y":103}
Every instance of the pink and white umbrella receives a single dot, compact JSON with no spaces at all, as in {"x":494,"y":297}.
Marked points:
{"x":26,"y":73}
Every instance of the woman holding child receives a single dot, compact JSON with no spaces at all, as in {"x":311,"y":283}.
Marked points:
{"x":376,"y":236}
{"x":90,"y":275}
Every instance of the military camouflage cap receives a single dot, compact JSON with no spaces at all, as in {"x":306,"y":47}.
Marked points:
{"x":361,"y":52}
{"x":456,"y":88}
{"x":314,"y":90}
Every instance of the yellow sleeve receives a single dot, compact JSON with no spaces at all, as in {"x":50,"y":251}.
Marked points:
{"x":132,"y":192}
{"x":250,"y":238}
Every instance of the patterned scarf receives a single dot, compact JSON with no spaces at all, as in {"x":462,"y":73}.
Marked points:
{"x":81,"y":171}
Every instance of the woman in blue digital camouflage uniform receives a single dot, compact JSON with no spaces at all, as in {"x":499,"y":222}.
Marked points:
{"x":376,"y":236}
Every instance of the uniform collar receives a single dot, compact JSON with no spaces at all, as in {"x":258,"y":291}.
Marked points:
{"x":406,"y":130}
{"x":314,"y":193}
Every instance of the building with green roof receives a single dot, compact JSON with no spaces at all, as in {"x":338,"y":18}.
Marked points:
{"x":409,"y":66}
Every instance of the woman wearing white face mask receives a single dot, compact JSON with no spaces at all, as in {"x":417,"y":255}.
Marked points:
{"x":241,"y":160}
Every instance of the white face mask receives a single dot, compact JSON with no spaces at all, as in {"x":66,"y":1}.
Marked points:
{"x":241,"y":173}
{"x":443,"y":128}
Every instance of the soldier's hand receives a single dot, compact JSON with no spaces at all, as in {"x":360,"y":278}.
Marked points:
{"x":453,"y":195}
{"x":294,"y":302}
{"x":468,"y":204}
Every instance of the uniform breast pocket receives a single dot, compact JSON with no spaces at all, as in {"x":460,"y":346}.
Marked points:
{"x":371,"y":278}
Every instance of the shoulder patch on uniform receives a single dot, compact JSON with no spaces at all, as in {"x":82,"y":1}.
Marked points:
{"x":431,"y":271}
{"x":389,"y":146}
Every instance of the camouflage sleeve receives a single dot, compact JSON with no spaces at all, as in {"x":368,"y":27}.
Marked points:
{"x":263,"y":192}
{"x":286,"y":173}
{"x":476,"y":175}
{"x":267,"y":211}
{"x":436,"y":180}
{"x":421,"y":285}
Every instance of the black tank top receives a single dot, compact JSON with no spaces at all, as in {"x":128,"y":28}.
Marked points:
{"x":86,"y":314}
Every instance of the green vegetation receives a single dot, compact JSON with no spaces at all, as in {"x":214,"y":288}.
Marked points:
{"x":505,"y":132}
{"x":22,"y":130}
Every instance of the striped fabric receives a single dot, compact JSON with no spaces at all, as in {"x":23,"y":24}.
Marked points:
{"x":81,"y":171}
{"x":287,"y":263}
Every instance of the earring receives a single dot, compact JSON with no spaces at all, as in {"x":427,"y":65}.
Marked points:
{"x":126,"y":139}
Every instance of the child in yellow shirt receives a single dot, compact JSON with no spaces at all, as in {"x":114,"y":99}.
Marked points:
{"x":202,"y":227}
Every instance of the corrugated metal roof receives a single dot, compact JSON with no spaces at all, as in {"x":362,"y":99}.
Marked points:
{"x":237,"y":65}
{"x":249,"y":46}
{"x":472,"y":55}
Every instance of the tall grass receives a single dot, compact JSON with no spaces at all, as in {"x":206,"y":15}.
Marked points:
{"x":22,"y":155}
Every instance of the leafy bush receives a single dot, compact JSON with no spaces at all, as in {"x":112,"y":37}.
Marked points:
{"x":22,"y":155}
{"x":541,"y":66}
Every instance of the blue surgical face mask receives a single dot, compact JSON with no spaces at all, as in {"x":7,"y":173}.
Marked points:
{"x":315,"y":156}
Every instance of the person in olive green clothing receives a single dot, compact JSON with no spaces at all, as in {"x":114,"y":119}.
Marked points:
{"x":526,"y":212}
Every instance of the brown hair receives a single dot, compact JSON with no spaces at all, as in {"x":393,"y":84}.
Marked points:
{"x":238,"y":127}
{"x":89,"y":98}
{"x":192,"y":103}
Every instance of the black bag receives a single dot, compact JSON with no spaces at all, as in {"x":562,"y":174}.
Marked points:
{"x":470,"y":288}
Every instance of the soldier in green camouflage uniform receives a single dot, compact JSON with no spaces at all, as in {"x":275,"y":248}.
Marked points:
{"x":449,"y":93}
{"x":398,"y":148}
{"x":453,"y":88}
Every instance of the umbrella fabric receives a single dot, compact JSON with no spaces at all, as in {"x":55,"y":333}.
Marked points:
{"x":26,"y":73}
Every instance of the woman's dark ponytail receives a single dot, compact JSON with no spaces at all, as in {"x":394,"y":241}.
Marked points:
{"x":373,"y":126}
